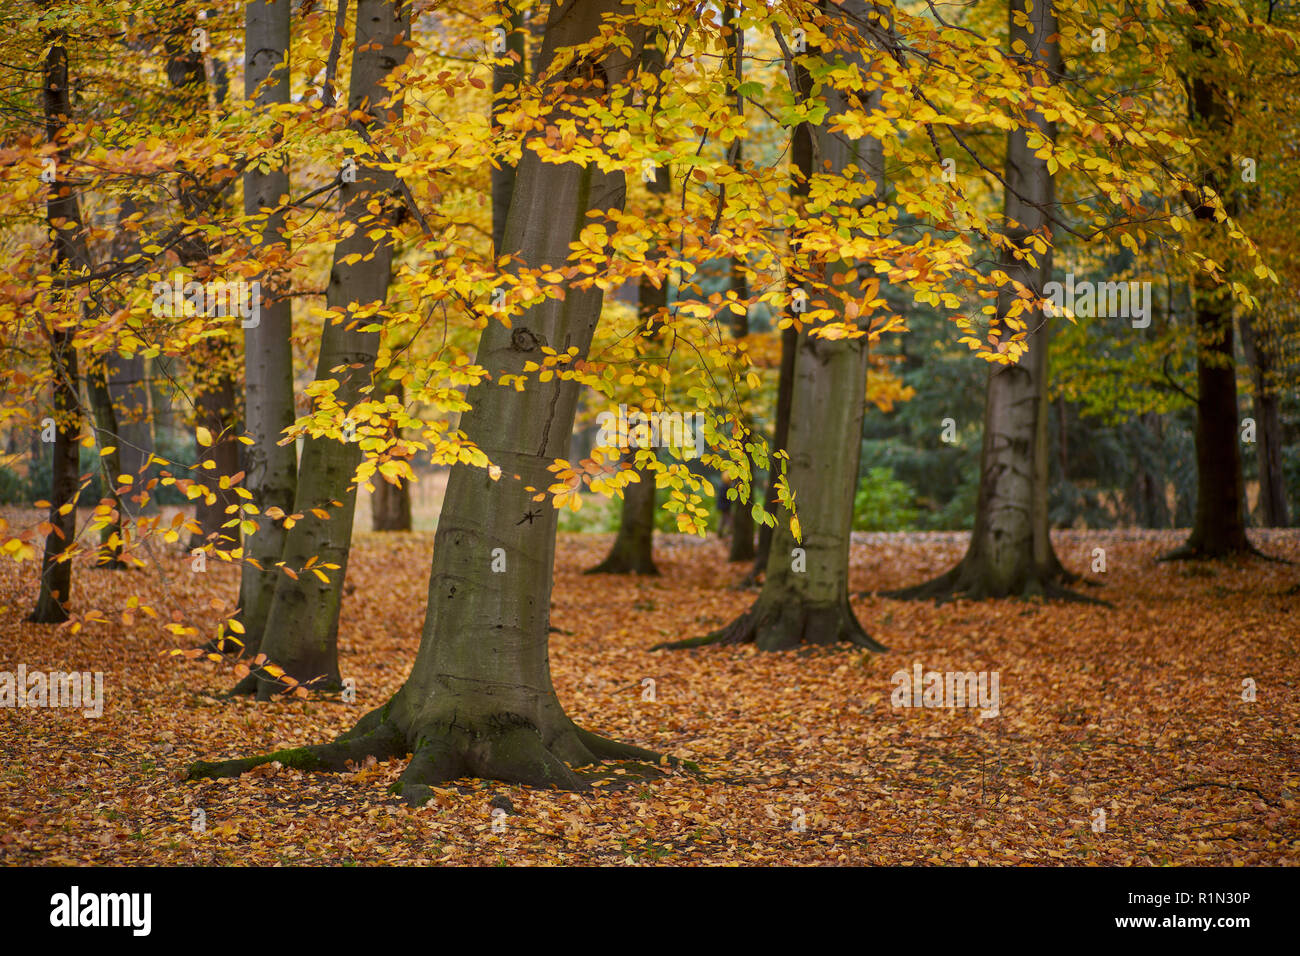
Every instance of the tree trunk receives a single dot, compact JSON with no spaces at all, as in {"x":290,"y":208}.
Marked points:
{"x":504,"y":76}
{"x":780,"y":442}
{"x":272,"y":468}
{"x":110,"y":467}
{"x":1259,"y":346}
{"x":1010,"y":551}
{"x":479,"y":701}
{"x":742,"y":515}
{"x":301,"y":634}
{"x":211,"y":362}
{"x":70,"y":254}
{"x":633,"y":549}
{"x":1219,"y":528}
{"x":216,"y":410}
{"x":805,"y":595}
{"x":390,"y":505}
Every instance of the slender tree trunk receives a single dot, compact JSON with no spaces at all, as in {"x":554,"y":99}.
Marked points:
{"x":633,"y":548}
{"x":479,"y":701}
{"x":1259,"y":347}
{"x":1219,"y":527}
{"x":742,"y":517}
{"x":506,"y":75}
{"x":110,"y":467}
{"x":1010,"y":551}
{"x":272,"y":468}
{"x":390,"y":505}
{"x":217,"y":411}
{"x":780,"y":443}
{"x":211,"y":362}
{"x":70,"y":253}
{"x":805,"y":595}
{"x":301,"y":633}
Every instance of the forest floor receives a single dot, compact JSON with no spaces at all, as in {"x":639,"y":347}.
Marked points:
{"x":1135,"y":710}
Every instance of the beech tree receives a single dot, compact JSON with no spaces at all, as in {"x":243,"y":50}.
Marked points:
{"x":805,"y":596}
{"x":479,"y":700}
{"x":300,"y":638}
{"x":271,"y":463}
{"x":1010,"y":551}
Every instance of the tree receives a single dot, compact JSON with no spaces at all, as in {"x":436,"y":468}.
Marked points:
{"x":1219,"y":528}
{"x":71,"y":255}
{"x":1010,"y":551}
{"x":805,"y":597}
{"x":300,"y":640}
{"x":272,"y":464}
{"x":479,"y":700}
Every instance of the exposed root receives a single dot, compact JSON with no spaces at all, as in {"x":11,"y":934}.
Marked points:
{"x":384,"y":742}
{"x":612,"y":565}
{"x":963,"y":582}
{"x":1194,"y":552}
{"x":506,"y":748}
{"x":776,"y":625}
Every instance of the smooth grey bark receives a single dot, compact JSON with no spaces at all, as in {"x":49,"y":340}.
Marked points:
{"x":805,"y":594}
{"x":301,"y":633}
{"x":70,"y":254}
{"x":271,"y":469}
{"x":1010,"y":551}
{"x":479,"y":700}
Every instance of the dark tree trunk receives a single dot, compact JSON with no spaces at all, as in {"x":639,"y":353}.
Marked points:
{"x":110,"y":467}
{"x":742,"y":515}
{"x":390,"y":505}
{"x":780,"y":441}
{"x":70,"y":254}
{"x":216,"y":410}
{"x":1259,"y":346}
{"x":212,"y":362}
{"x":633,"y":549}
{"x":1219,"y":527}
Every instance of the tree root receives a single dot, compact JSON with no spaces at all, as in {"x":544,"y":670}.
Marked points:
{"x":776,"y":625}
{"x":1190,"y":552}
{"x":384,"y":742}
{"x":506,"y":748}
{"x":617,"y":564}
{"x":959,"y":582}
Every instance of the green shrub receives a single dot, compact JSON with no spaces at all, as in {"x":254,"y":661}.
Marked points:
{"x":883,"y":503}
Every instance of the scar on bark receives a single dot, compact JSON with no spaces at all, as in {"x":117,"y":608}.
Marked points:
{"x":507,"y":747}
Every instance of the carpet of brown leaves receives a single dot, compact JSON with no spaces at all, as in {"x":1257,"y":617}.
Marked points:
{"x":1135,"y":710}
